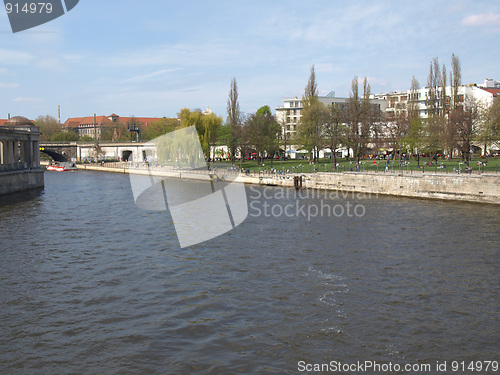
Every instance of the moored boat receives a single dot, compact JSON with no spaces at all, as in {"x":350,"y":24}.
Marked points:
{"x":62,"y":167}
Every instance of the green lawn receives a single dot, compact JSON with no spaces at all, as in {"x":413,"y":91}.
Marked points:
{"x":324,"y":165}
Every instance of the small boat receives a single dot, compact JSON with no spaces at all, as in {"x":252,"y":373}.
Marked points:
{"x":62,"y":167}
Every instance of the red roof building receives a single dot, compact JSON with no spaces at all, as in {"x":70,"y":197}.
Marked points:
{"x":92,"y":126}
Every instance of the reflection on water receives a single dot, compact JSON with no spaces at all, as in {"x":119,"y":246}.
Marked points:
{"x":92,"y":284}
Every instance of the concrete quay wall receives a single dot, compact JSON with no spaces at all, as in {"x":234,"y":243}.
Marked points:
{"x":16,"y":181}
{"x":148,"y":172}
{"x":484,"y":188}
{"x":471,"y":188}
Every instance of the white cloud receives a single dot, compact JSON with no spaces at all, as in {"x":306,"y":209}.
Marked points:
{"x":52,"y":64}
{"x":8,"y":85}
{"x":149,"y":76}
{"x":15,"y":57}
{"x":326,"y":68}
{"x":26,"y":99}
{"x":485,"y":19}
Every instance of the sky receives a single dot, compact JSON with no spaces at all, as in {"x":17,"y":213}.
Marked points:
{"x":152,"y":58}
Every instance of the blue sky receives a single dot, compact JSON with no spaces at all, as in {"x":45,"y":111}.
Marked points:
{"x":152,"y":58}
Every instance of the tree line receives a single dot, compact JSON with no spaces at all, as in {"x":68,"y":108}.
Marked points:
{"x":454,"y":123}
{"x":255,"y":135}
{"x":52,"y":130}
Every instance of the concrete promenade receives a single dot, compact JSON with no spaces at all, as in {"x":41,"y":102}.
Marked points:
{"x":481,"y":188}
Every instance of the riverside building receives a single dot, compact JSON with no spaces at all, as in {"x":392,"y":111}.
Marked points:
{"x":391,"y":104}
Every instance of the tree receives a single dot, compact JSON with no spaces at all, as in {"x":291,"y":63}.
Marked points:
{"x":264,"y":110}
{"x":456,"y":102}
{"x":97,"y":152}
{"x":334,"y":129}
{"x":310,"y":130}
{"x":414,"y":139}
{"x":435,"y":119}
{"x":455,"y":79}
{"x":156,"y":128}
{"x":367,"y":119}
{"x":48,"y":127}
{"x":353,"y":119}
{"x":206,"y":126}
{"x":208,"y":132}
{"x":311,"y":90}
{"x":263,"y":133}
{"x":465,"y":121}
{"x":490,"y":130}
{"x":107,"y":133}
{"x":233,"y":120}
{"x":224,"y":138}
{"x":314,"y":116}
{"x":64,"y":136}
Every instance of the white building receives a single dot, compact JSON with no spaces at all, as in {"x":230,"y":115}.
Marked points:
{"x":398,"y":100}
{"x":392,"y":103}
{"x":290,"y":113}
{"x":490,"y":84}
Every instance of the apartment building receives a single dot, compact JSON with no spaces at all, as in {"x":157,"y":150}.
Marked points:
{"x":398,"y":100}
{"x":289,"y":114}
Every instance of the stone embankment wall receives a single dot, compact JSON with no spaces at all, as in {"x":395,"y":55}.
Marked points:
{"x":472,"y":188}
{"x":484,"y":188}
{"x":16,"y":181}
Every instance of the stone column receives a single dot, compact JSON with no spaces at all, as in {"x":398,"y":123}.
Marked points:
{"x":22,"y":154}
{"x":15,"y":144}
{"x":2,"y":157}
{"x":36,"y":154}
{"x":26,"y":154}
{"x":10,"y":155}
{"x":29,"y":153}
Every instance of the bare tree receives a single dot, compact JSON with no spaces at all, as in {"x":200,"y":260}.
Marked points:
{"x":490,"y":127}
{"x":455,"y":79}
{"x":414,"y":138}
{"x":353,"y":119}
{"x":454,"y":107}
{"x":367,"y":117}
{"x":465,"y":120}
{"x":435,"y":118}
{"x":334,"y":129}
{"x":314,"y":113}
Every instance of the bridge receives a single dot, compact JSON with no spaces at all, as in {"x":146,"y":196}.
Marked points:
{"x":79,"y":151}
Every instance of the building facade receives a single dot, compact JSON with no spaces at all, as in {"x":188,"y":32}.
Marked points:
{"x":290,"y":113}
{"x":392,"y":105}
{"x":398,"y":101}
{"x":93,"y":126}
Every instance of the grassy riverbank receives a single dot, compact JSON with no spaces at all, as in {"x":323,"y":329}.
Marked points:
{"x":478,"y":165}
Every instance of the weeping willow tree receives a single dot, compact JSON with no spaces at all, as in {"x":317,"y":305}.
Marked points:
{"x":180,"y":148}
{"x":206,"y":125}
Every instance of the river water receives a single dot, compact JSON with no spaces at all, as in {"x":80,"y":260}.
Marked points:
{"x":92,"y":284}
